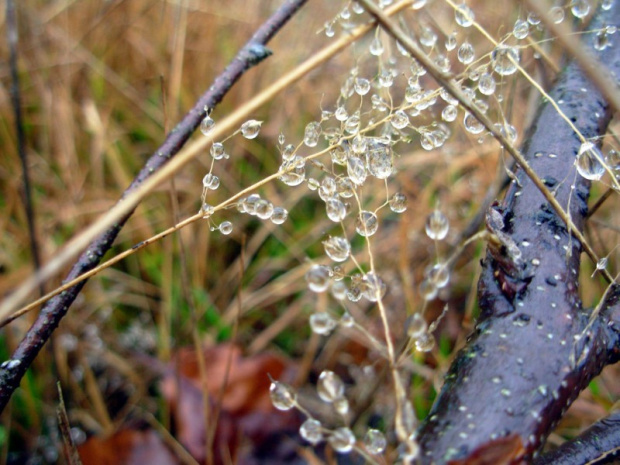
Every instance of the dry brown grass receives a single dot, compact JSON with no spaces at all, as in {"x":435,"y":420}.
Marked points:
{"x":94,"y":77}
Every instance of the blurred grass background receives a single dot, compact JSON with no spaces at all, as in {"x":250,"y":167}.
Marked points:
{"x":101,"y":83}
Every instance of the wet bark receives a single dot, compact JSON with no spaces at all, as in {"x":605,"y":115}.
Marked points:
{"x":597,"y":445}
{"x":534,"y":347}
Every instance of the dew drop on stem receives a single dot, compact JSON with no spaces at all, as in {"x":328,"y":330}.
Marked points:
{"x":250,"y":129}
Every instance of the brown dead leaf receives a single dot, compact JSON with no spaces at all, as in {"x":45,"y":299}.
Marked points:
{"x":127,"y":447}
{"x":246,"y":410}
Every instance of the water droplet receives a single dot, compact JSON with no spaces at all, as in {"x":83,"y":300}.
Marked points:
{"x":311,"y":134}
{"x":607,"y":4}
{"x":362,"y":86}
{"x":367,"y":223}
{"x":521,"y":29}
{"x":341,"y":114}
{"x":288,"y":153}
{"x":211,"y":181}
{"x":226,"y":228}
{"x":263,"y":209}
{"x":342,"y":406}
{"x":438,"y":274}
{"x":357,"y":8}
{"x":311,"y":431}
{"x":337,"y":248}
{"x":472,"y":124}
{"x":504,"y":60}
{"x":486,"y":84}
{"x":416,"y":326}
{"x":206,"y":210}
{"x":359,"y":144}
{"x":428,"y":38}
{"x":601,"y":41}
{"x":327,"y":189}
{"x":587,"y":162}
{"x":613,"y":160}
{"x":356,"y":170}
{"x":398,"y":203}
{"x":338,"y":289}
{"x":352,"y":124}
{"x":217,"y":151}
{"x":379,"y":159}
{"x":345,"y":187}
{"x":374,"y":287}
{"x":295,"y":171}
{"x":279,"y":215}
{"x":342,"y":440}
{"x":317,"y":278}
{"x":580,"y":8}
{"x":437,"y":225}
{"x":206,"y":125}
{"x":399,"y":119}
{"x":376,"y":47}
{"x":533,"y":19}
{"x":386,"y":79}
{"x":449,"y":113}
{"x":282,"y":396}
{"x":329,"y":29}
{"x":375,"y":441}
{"x":338,"y":156}
{"x":428,"y":290}
{"x":464,"y":16}
{"x":466,"y":53}
{"x":250,"y":129}
{"x":336,"y":210}
{"x":329,"y":386}
{"x":425,"y":343}
{"x":346,"y":319}
{"x":322,"y":323}
{"x":556,"y":14}
{"x":451,"y":42}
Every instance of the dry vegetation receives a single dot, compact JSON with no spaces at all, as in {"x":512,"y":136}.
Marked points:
{"x":101,"y":84}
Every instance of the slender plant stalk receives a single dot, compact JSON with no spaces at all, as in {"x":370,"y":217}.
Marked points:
{"x":13,"y":38}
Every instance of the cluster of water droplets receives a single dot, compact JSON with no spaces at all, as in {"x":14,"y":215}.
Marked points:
{"x":331,"y":390}
{"x":254,"y":204}
{"x":348,"y":160}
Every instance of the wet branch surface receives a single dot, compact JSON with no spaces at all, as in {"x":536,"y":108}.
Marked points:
{"x":48,"y":320}
{"x":597,"y":445}
{"x":534,"y":347}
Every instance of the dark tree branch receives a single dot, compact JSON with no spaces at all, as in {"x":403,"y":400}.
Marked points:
{"x":12,"y":371}
{"x":599,"y":444}
{"x":534,"y":348}
{"x":13,"y":37}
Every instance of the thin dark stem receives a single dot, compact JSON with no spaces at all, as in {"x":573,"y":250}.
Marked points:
{"x":253,"y":52}
{"x":12,"y":34}
{"x":599,"y":444}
